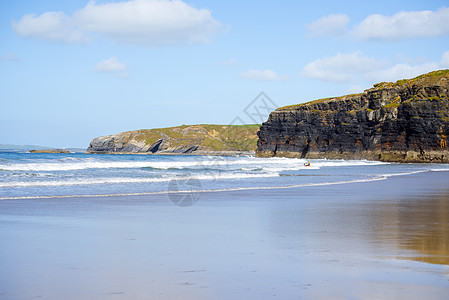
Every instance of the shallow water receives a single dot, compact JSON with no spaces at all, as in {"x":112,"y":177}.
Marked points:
{"x":34,"y":175}
{"x":385,"y":239}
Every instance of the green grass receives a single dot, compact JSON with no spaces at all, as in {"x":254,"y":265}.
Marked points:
{"x":209,"y":136}
{"x":392,"y":105}
{"x":424,"y":79}
{"x":294,"y":106}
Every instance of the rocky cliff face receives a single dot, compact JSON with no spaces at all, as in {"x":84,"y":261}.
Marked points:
{"x":406,"y":121}
{"x":194,"y":139}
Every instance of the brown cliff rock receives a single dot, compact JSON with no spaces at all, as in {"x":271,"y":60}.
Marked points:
{"x":406,"y":121}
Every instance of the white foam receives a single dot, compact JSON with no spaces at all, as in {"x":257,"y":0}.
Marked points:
{"x":405,"y":173}
{"x":71,"y":164}
{"x":371,"y":179}
{"x":439,"y":170}
{"x":345,"y":163}
{"x":202,"y":191}
{"x":118,"y":180}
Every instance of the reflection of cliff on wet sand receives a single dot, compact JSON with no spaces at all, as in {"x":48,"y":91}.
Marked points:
{"x":425,"y":228}
{"x":421,"y":224}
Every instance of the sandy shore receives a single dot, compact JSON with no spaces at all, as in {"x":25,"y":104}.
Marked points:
{"x":385,"y":239}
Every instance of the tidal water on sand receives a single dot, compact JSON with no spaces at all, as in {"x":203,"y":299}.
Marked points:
{"x":32,"y":175}
{"x":78,"y":226}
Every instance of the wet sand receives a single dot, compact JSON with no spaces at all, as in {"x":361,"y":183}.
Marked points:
{"x":376,"y":240}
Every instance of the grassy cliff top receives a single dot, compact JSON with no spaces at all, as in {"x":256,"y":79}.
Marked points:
{"x":208,"y":136}
{"x":424,"y":79}
{"x":431,"y":78}
{"x":346,"y":97}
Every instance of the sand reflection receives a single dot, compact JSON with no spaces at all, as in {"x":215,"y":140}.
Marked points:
{"x":420,"y":224}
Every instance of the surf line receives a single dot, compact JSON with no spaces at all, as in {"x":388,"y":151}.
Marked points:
{"x":382,"y":177}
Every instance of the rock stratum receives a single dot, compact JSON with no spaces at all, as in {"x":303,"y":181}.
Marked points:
{"x":185,"y":139}
{"x":405,"y":121}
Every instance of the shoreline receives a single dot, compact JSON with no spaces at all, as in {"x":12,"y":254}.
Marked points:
{"x":383,"y":177}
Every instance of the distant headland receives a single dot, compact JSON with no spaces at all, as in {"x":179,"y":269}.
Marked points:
{"x":405,"y":121}
{"x":201,"y":139}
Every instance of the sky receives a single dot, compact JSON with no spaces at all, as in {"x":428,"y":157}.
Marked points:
{"x":74,"y":70}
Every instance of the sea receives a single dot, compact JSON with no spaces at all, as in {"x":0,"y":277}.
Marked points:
{"x":84,"y":226}
{"x":26,"y":175}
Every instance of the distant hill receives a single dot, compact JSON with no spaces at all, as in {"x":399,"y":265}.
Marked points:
{"x":192,"y":139}
{"x":12,"y":147}
{"x":20,"y":147}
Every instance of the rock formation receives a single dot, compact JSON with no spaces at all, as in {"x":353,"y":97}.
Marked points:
{"x":406,"y":121}
{"x":64,"y":151}
{"x":194,"y":139}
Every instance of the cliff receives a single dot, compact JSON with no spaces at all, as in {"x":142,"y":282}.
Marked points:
{"x":193,"y":139}
{"x":405,"y":121}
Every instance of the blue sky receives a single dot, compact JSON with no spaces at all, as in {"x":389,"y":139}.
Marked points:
{"x":74,"y":70}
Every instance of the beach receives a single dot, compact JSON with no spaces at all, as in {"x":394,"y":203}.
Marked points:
{"x":216,"y":150}
{"x":382,"y":239}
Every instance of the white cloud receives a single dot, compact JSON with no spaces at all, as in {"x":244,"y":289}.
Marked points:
{"x":266,"y":75}
{"x":401,"y":71}
{"x":111,"y":65}
{"x":352,"y":67}
{"x":334,"y":24}
{"x":340,"y":68}
{"x":51,"y":26}
{"x":398,"y":27}
{"x":147,"y":22}
{"x":404,"y":25}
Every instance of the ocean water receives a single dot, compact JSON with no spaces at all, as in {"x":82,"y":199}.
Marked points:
{"x":37,"y":175}
{"x":267,"y":228}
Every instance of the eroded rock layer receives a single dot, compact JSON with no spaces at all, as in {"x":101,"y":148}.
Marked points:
{"x":406,"y":121}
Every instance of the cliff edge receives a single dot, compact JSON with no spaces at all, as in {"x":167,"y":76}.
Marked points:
{"x":405,"y":121}
{"x":186,"y":139}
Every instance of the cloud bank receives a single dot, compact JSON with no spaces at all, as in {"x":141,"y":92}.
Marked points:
{"x":376,"y":27}
{"x":143,"y":22}
{"x":346,"y":68}
{"x":339,"y":68}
